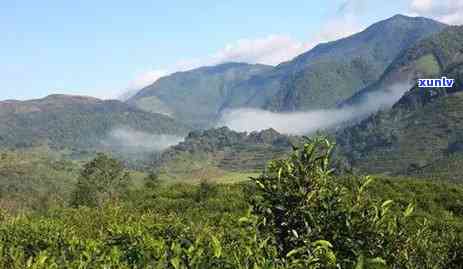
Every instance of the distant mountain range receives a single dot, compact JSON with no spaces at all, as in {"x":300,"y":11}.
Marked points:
{"x":75,"y":122}
{"x":421,"y":132}
{"x":320,"y":78}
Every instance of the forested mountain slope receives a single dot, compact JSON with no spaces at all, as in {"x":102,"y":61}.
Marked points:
{"x":195,"y":97}
{"x":225,"y":150}
{"x":428,"y":58}
{"x":331,"y":72}
{"x":424,"y":129}
{"x":74,"y":122}
{"x":320,"y":78}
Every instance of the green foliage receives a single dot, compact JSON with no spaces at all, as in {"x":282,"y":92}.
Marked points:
{"x":76,"y":123}
{"x":221,"y":155}
{"x":297,"y":214}
{"x":422,"y":133}
{"x":223,"y":150}
{"x":325,"y":84}
{"x":195,"y":97}
{"x":330,"y":73}
{"x":34,"y":180}
{"x":428,"y":65}
{"x":152,"y":181}
{"x":319,"y":78}
{"x":318,"y":221}
{"x":206,"y":190}
{"x":416,"y":140}
{"x":101,"y":180}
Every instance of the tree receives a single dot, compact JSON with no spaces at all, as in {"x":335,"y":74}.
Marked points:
{"x":152,"y":181}
{"x":318,"y":222}
{"x":100,"y":180}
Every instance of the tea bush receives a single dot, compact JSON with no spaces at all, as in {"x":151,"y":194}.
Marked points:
{"x":297,"y":214}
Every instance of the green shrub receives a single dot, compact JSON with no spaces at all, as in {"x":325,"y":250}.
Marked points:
{"x":316,"y":221}
{"x":298,"y":214}
{"x":101,"y":179}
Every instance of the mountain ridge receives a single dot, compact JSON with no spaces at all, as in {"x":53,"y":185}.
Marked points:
{"x":424,"y":125}
{"x":74,"y":122}
{"x":320,"y":78}
{"x":194,"y":97}
{"x":426,"y":59}
{"x":307,"y":81}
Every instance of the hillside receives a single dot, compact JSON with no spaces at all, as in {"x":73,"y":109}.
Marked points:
{"x":334,"y":71}
{"x":223,"y":150}
{"x":75,"y":122}
{"x":195,"y":97}
{"x":428,"y":58}
{"x":34,"y":179}
{"x":422,"y":130}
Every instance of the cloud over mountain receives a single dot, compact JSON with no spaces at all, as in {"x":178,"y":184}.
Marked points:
{"x":141,"y":81}
{"x":448,"y":11}
{"x":306,"y":122}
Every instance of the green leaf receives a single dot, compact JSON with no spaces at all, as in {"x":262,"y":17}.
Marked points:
{"x":175,"y":262}
{"x":360,"y":264}
{"x":368,"y":181}
{"x":216,"y":247}
{"x":322,"y":243}
{"x":376,"y":261}
{"x":244,"y":220}
{"x":294,"y":232}
{"x":409,"y":210}
{"x":293,"y":252}
{"x":386,"y":203}
{"x":262,"y":186}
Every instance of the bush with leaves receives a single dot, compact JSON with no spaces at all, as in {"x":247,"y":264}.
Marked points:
{"x":152,"y":181}
{"x":317,"y":222}
{"x":302,"y":215}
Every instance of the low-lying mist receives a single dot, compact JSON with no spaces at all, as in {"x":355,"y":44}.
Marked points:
{"x":299,"y":123}
{"x":129,"y":140}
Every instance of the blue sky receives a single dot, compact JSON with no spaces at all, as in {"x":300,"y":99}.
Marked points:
{"x":102,"y":48}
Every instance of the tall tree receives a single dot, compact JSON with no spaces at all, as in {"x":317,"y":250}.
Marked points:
{"x":100,"y":180}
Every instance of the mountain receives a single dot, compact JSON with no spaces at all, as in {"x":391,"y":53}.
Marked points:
{"x":320,"y":78}
{"x":334,"y":71}
{"x":426,"y":59}
{"x":224,"y":150}
{"x":75,"y":122}
{"x":423,"y":132}
{"x":195,"y":97}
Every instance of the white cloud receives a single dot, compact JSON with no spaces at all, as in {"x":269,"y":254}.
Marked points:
{"x":141,"y":81}
{"x":307,"y":122}
{"x":275,"y":48}
{"x":127,"y":139}
{"x":336,"y":28}
{"x":421,"y":5}
{"x":271,"y":49}
{"x":448,"y":11}
{"x":147,"y":78}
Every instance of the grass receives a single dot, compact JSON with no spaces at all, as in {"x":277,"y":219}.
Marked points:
{"x":428,"y":65}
